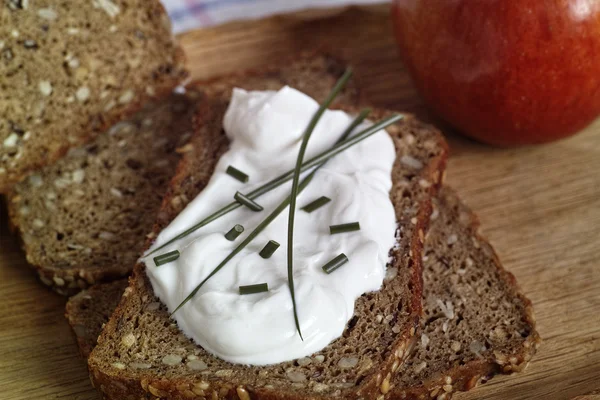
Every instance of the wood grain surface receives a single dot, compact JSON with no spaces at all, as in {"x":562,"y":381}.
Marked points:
{"x":539,"y":206}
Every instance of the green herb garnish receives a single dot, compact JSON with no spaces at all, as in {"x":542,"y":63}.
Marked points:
{"x":277,"y":211}
{"x":237,"y":174}
{"x":234,"y":232}
{"x":343,"y":228}
{"x":316,"y":204}
{"x":253,"y":289}
{"x":269,"y":249}
{"x":166,"y":258}
{"x":335,"y":263}
{"x":280,"y":180}
{"x":248,"y":202}
{"x":284,"y":204}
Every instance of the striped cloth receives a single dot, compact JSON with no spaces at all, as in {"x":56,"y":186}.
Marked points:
{"x":191,"y":14}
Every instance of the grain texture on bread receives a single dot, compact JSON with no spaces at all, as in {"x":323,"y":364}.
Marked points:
{"x":476,"y":321}
{"x":84,"y":219}
{"x":71,"y":69}
{"x":142,"y":353}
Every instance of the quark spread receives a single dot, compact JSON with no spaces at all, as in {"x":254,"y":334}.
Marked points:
{"x":265,"y":130}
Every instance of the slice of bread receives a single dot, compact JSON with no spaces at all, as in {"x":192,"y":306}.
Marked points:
{"x":71,"y":69}
{"x":448,"y":355}
{"x":84,"y":219}
{"x":142,"y":353}
{"x":476,"y":321}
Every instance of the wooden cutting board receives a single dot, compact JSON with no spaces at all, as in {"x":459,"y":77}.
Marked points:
{"x":540,"y":207}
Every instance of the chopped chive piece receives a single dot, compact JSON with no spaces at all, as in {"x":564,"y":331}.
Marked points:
{"x":237,"y":174}
{"x":318,"y":203}
{"x":318,"y":160}
{"x":166,"y":258}
{"x":343,"y":228}
{"x":247,"y":201}
{"x":234,"y":232}
{"x":252,"y":289}
{"x":269,"y":249}
{"x":335,"y":263}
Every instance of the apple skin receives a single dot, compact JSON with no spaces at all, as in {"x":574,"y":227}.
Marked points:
{"x":506,"y":72}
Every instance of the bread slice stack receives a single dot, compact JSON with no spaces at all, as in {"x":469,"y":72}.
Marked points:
{"x":447,"y":316}
{"x":463,"y":339}
{"x":141,"y":350}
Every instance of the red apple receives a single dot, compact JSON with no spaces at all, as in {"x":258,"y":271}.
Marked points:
{"x":505,"y":71}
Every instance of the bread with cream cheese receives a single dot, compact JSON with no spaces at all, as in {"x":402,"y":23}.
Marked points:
{"x":142,"y":352}
{"x":476,"y":322}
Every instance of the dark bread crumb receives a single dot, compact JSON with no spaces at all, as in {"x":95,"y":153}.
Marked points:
{"x":61,"y":83}
{"x":84,"y":219}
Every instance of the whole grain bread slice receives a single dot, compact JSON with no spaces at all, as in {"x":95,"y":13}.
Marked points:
{"x":476,"y":321}
{"x":142,"y":353}
{"x":459,"y":322}
{"x":71,"y":69}
{"x":84,"y":219}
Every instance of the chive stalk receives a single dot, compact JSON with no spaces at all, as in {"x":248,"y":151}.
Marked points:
{"x":343,"y":228}
{"x":253,"y":289}
{"x":296,"y":182}
{"x":237,"y":174}
{"x":316,"y":204}
{"x":248,"y":202}
{"x":269,"y":249}
{"x":335,"y":263}
{"x":166,"y":258}
{"x":280,"y":180}
{"x":234,"y":232}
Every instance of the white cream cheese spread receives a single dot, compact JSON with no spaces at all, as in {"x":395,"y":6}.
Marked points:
{"x":265,"y":131}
